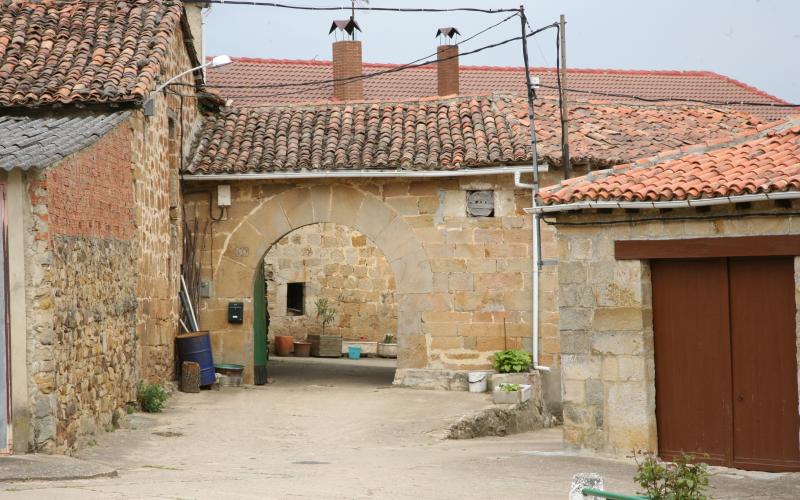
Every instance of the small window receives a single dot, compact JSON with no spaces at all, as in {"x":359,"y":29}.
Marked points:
{"x":480,"y":203}
{"x":295,"y":299}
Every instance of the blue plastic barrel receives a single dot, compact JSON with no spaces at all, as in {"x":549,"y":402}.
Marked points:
{"x":197,"y":347}
{"x":354,"y":352}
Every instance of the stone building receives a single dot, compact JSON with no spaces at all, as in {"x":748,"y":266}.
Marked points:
{"x":471,"y":317}
{"x":92,"y":210}
{"x":405,"y":174}
{"x":678,"y":304}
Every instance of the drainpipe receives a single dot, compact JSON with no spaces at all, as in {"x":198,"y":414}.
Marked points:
{"x":536,"y":250}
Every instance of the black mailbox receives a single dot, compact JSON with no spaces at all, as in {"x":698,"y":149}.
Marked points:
{"x":235,"y":312}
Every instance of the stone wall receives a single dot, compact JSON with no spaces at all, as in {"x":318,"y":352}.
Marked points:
{"x":80,"y":286}
{"x":478,"y":299}
{"x":156,"y":155}
{"x":102,"y":257}
{"x":606,"y":326}
{"x":341,"y":265}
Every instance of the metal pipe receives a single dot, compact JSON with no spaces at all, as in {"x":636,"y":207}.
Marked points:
{"x":704,"y":202}
{"x":350,"y":174}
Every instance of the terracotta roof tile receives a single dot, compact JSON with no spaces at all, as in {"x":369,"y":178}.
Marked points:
{"x":98,"y":51}
{"x":420,"y":82}
{"x":442,"y":134}
{"x":764,"y":161}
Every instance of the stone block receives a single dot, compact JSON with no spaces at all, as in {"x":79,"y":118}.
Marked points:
{"x":580,"y":367}
{"x":346,"y":204}
{"x":373,"y":217}
{"x":618,"y":343}
{"x":572,"y":273}
{"x":572,"y":318}
{"x":617,"y":318}
{"x":321,"y":202}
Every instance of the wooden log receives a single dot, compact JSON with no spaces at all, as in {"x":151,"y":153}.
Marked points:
{"x":190,"y":376}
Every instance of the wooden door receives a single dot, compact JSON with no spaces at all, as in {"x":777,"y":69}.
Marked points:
{"x":692,"y":358}
{"x":726,"y":361}
{"x":765,"y":406}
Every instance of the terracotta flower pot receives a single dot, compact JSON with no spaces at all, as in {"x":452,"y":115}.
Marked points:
{"x":284,"y":345}
{"x":302,"y":349}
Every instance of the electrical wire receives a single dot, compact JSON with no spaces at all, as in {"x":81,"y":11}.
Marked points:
{"x":674,"y":99}
{"x":370,"y":75}
{"x":391,"y":70}
{"x":350,"y":8}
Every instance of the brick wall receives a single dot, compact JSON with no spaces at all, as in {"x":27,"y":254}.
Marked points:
{"x":92,"y":193}
{"x":347,"y":64}
{"x":447,"y":69}
{"x":81,"y":292}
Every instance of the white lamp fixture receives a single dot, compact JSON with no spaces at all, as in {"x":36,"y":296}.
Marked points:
{"x":216,"y":62}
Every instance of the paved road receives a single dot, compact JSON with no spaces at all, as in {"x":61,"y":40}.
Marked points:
{"x":337,"y":430}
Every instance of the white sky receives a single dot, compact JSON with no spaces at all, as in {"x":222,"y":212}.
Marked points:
{"x":755,"y":41}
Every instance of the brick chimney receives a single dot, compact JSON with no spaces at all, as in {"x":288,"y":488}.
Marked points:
{"x":447,"y":62}
{"x":347,"y":64}
{"x":347,"y":61}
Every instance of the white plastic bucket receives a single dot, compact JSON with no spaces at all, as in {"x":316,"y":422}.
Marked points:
{"x":477,"y":381}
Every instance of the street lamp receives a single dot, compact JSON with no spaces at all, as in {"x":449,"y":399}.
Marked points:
{"x":150,"y":103}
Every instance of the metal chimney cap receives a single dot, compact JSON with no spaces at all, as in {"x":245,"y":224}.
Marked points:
{"x":347,"y":25}
{"x":448,"y":32}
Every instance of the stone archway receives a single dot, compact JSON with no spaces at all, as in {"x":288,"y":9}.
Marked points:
{"x":269,"y":220}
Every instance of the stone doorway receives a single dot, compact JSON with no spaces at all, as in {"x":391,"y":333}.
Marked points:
{"x":261,"y":222}
{"x":338,"y":264}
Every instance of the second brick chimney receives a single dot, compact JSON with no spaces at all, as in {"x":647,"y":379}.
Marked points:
{"x":447,"y":63}
{"x":347,"y":64}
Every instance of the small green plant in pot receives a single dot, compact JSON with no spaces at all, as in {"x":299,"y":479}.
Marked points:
{"x":388,"y":348}
{"x":512,"y":361}
{"x":510,"y":387}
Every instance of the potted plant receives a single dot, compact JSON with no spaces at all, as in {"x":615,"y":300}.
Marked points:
{"x":512,"y":393}
{"x":325,"y":346}
{"x":388,"y":348}
{"x":513,"y":366}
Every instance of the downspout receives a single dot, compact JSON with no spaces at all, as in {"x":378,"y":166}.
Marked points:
{"x":536,"y":249}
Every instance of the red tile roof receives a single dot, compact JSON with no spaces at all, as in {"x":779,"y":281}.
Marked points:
{"x":446,"y":134}
{"x":762,"y":162}
{"x":98,"y":51}
{"x":480,"y":80}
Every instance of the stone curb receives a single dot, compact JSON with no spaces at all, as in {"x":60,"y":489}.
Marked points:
{"x":33,"y":467}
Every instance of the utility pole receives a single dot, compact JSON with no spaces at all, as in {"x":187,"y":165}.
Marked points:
{"x":536,"y":235}
{"x":562,"y":34}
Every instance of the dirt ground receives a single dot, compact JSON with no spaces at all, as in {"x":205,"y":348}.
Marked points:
{"x":337,"y":429}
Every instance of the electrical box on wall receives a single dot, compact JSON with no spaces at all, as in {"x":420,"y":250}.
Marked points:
{"x":205,"y":289}
{"x":224,"y":195}
{"x":235,"y":312}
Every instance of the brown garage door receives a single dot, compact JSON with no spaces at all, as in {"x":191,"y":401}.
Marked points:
{"x":726,"y":370}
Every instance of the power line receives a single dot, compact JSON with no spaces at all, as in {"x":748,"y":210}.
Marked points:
{"x":350,"y":8}
{"x":370,"y":75}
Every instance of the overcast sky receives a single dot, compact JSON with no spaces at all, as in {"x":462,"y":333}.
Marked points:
{"x":755,"y":41}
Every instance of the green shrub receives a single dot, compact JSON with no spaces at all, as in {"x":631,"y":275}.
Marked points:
{"x":512,"y":361}
{"x":389,"y":339}
{"x":151,"y":397}
{"x":682,"y":480}
{"x":505,"y":387}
